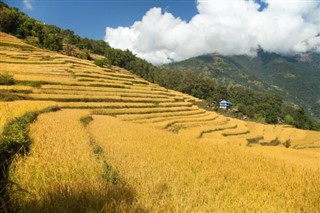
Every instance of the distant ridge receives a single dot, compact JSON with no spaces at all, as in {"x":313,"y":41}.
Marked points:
{"x":295,"y":78}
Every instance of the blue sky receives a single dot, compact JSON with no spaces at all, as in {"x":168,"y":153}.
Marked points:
{"x":90,"y":18}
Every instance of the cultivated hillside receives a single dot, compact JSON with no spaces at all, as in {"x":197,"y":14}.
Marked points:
{"x":74,"y":83}
{"x":294,"y":78}
{"x":117,"y":142}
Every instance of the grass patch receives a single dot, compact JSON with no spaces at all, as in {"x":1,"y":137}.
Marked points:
{"x":234,"y":134}
{"x":48,"y":58}
{"x":19,"y":57}
{"x":8,"y":96}
{"x":274,"y":142}
{"x":6,"y":79}
{"x":215,"y":130}
{"x":14,"y":141}
{"x":31,"y":83}
{"x":254,"y":140}
{"x":287,"y":144}
{"x":36,"y":83}
{"x":24,"y":91}
{"x":86,"y":120}
{"x":140,"y":82}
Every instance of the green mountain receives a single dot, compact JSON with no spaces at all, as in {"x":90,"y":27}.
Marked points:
{"x":294,"y":78}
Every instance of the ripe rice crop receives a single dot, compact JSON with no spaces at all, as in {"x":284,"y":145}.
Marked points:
{"x":202,"y":177}
{"x":142,"y":110}
{"x":11,"y":39}
{"x":48,"y":78}
{"x":182,"y":121}
{"x":82,"y":160}
{"x":21,"y":68}
{"x":103,"y":104}
{"x":62,"y":172}
{"x":98,"y":93}
{"x":15,"y":87}
{"x":103,"y":80}
{"x":164,"y":114}
{"x":91,"y":98}
{"x":173,"y":118}
{"x":107,"y":77}
{"x":96,"y":84}
{"x":10,"y":110}
{"x":102,"y":89}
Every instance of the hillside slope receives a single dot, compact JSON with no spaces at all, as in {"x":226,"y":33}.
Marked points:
{"x":76,"y":83}
{"x":294,"y":78}
{"x":120,"y":143}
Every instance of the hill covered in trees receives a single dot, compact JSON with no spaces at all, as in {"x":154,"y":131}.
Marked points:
{"x":294,"y":78}
{"x":262,"y":106}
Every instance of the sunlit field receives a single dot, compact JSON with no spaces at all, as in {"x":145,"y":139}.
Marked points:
{"x":185,"y":175}
{"x":10,"y":110}
{"x":122,"y":144}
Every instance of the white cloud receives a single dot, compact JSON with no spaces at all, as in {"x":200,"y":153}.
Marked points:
{"x":27,"y":4}
{"x":225,"y":27}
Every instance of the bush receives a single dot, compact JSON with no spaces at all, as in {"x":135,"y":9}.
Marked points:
{"x":86,"y":120}
{"x":6,"y":79}
{"x":254,"y":140}
{"x":287,"y":144}
{"x":101,"y":63}
{"x":274,"y":142}
{"x":288,"y":119}
{"x":9,"y":96}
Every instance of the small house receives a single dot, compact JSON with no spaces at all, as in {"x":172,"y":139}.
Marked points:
{"x":225,"y":104}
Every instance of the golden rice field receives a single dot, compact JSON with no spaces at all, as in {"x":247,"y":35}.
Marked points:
{"x":186,"y":176}
{"x":10,"y":110}
{"x":62,"y":172}
{"x":122,"y":144}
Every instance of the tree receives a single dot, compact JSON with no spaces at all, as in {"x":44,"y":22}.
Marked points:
{"x":9,"y":19}
{"x":288,"y":119}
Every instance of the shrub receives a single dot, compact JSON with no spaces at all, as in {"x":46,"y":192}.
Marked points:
{"x":287,"y":144}
{"x":6,"y":79}
{"x":86,"y":120}
{"x":288,"y":119}
{"x":31,"y":83}
{"x":274,"y":142}
{"x":254,"y":140}
{"x":100,"y":63}
{"x":9,"y":96}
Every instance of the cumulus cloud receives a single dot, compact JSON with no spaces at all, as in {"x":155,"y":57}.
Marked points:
{"x":27,"y":4}
{"x":224,"y":27}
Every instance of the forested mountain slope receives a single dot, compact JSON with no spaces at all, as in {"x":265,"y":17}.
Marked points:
{"x":295,"y":78}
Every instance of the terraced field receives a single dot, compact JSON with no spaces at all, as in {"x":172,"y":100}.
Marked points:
{"x":111,"y":103}
{"x":75,"y":83}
